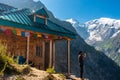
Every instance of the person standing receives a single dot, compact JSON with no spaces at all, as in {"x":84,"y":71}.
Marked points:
{"x":81,"y":58}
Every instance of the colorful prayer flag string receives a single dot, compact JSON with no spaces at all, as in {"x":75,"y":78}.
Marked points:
{"x":8,"y":32}
{"x":20,"y":32}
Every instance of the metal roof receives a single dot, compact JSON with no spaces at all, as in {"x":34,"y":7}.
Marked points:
{"x":5,"y":8}
{"x":42,"y":11}
{"x":24,"y":19}
{"x":18,"y":16}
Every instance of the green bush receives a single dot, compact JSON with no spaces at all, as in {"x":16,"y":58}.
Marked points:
{"x":4,"y":60}
{"x":51,"y":70}
{"x":9,"y":65}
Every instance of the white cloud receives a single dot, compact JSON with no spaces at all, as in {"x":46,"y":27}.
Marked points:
{"x":72,"y":21}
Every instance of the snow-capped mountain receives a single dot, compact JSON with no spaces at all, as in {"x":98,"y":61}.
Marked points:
{"x":97,"y":30}
{"x":103,"y":34}
{"x":102,"y":29}
{"x":79,"y":27}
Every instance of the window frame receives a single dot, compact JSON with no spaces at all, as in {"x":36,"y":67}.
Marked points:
{"x":38,"y":50}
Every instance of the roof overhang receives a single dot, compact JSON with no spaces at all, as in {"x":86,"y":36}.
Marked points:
{"x":35,"y":29}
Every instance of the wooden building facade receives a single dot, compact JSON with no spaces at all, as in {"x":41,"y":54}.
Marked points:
{"x":32,"y":35}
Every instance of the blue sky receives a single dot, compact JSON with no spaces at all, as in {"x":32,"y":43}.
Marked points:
{"x":83,"y":10}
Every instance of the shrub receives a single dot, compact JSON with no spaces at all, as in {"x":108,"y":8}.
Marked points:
{"x":4,"y":59}
{"x":10,"y":65}
{"x":51,"y":70}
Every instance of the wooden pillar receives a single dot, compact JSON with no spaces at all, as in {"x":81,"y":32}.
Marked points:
{"x":68,"y":57}
{"x":50,"y":63}
{"x":43,"y":52}
{"x":28,"y":41}
{"x":54,"y":53}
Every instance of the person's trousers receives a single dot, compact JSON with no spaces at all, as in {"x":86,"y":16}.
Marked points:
{"x":81,"y":71}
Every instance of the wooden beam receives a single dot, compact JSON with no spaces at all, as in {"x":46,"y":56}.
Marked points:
{"x":68,"y":57}
{"x":50,"y":63}
{"x":43,"y":52}
{"x":46,"y":21}
{"x":54,"y":53}
{"x":34,"y":17}
{"x":28,"y":41}
{"x":43,"y":17}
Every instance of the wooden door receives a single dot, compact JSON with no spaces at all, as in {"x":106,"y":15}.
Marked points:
{"x":47,"y":54}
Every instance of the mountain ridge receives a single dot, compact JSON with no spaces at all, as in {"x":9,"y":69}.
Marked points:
{"x":103,"y":34}
{"x":97,"y":29}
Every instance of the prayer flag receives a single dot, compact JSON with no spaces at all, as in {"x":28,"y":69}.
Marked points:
{"x":35,"y":35}
{"x":14,"y":32}
{"x":54,"y":37}
{"x":27,"y":34}
{"x":2,"y":29}
{"x":23,"y":33}
{"x":59,"y":37}
{"x":18,"y":32}
{"x":47,"y":37}
{"x":39,"y":35}
{"x":8,"y":32}
{"x":31,"y":34}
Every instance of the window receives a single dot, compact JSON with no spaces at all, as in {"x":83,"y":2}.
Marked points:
{"x":38,"y":51}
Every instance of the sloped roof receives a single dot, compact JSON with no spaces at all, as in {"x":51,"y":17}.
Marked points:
{"x":22,"y":19}
{"x":18,"y":16}
{"x":42,"y":11}
{"x":5,"y":8}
